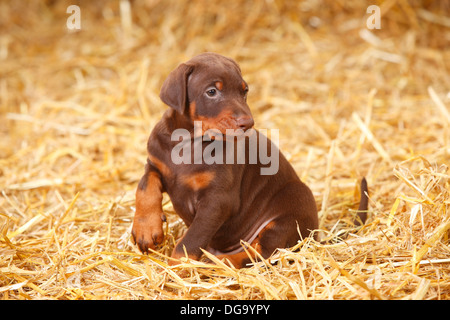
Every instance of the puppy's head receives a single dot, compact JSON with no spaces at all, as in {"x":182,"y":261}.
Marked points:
{"x":209,"y":88}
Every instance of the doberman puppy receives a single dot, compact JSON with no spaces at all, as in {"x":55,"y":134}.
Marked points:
{"x":222,"y":203}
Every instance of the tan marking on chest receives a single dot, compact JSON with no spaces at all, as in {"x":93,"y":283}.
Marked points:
{"x":199,"y":180}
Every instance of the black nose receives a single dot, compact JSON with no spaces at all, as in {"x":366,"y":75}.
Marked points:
{"x":245,"y":122}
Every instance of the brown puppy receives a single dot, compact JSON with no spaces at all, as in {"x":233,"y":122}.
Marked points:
{"x":222,"y":198}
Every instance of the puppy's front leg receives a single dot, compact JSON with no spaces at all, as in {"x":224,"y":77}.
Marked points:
{"x":147,"y":229}
{"x":208,"y":219}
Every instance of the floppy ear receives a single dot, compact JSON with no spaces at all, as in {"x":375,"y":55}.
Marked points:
{"x":174,"y":89}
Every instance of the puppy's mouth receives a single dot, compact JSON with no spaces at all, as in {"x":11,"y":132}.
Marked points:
{"x":225,"y":128}
{"x":245,"y":123}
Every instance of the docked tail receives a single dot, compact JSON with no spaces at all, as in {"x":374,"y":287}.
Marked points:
{"x":363,"y":204}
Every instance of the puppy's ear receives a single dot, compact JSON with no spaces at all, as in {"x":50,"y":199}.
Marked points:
{"x":174,"y":89}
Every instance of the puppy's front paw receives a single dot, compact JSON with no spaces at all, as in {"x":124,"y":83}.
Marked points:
{"x":148,"y":232}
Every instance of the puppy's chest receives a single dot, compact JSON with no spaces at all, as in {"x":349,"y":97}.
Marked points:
{"x":186,"y":208}
{"x":185,"y":186}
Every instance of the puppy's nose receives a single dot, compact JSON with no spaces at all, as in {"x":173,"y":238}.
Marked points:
{"x":245,"y":122}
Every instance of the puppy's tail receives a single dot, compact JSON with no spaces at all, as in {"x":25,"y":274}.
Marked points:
{"x":363,"y":204}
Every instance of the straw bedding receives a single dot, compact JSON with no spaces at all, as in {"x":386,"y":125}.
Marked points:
{"x":76,"y":108}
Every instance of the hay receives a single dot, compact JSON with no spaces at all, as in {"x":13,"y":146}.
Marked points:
{"x":76,"y":108}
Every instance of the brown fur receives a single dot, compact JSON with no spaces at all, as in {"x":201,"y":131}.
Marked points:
{"x":221,"y":204}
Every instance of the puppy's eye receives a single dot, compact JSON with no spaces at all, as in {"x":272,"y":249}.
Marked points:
{"x":211,"y":92}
